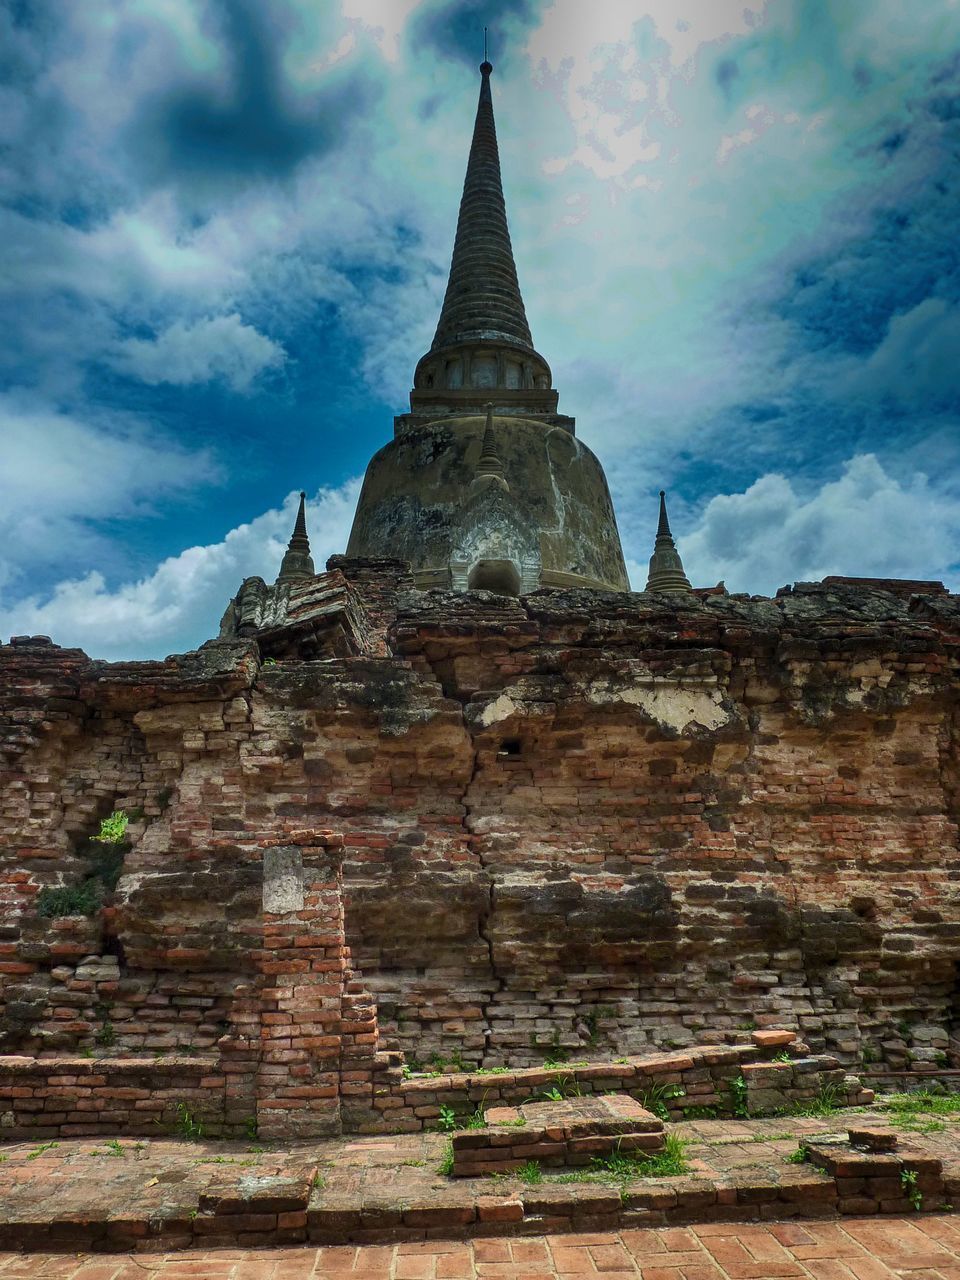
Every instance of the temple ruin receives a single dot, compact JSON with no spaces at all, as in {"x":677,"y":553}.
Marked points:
{"x":463,"y":798}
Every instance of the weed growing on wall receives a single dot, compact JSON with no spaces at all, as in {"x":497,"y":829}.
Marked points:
{"x":188,"y":1126}
{"x":104,"y":858}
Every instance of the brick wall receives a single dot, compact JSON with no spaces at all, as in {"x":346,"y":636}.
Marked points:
{"x":83,"y":1097}
{"x":577,"y":824}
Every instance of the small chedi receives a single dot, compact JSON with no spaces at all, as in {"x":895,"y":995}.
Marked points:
{"x":465,"y":798}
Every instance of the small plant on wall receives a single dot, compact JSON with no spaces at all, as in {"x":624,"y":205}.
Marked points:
{"x":104,"y":858}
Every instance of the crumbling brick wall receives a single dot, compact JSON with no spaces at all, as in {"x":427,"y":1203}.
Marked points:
{"x":577,"y":824}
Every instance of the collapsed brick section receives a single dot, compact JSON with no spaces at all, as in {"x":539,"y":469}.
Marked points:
{"x":575,"y":824}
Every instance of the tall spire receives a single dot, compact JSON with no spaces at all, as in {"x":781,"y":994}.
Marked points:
{"x":666,"y":568}
{"x":483,"y":296}
{"x":297,"y":561}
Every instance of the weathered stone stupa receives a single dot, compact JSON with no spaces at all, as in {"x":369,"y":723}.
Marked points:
{"x":485,"y":485}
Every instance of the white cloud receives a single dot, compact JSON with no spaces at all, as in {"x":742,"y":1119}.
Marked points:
{"x":868,"y":523}
{"x":62,"y":474}
{"x":179,"y":605}
{"x":385,"y":19}
{"x":183,"y":354}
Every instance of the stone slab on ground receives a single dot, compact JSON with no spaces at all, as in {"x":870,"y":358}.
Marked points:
{"x":571,"y":1132}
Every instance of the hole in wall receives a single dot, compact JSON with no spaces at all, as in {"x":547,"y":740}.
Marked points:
{"x":500,"y":576}
{"x":510,"y":747}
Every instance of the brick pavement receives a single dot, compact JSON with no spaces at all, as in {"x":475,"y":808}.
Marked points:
{"x":925,"y":1248}
{"x":161,"y":1194}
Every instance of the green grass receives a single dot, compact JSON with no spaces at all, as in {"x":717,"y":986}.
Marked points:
{"x":478,"y":1120}
{"x":445,"y":1166}
{"x":530,"y":1173}
{"x":628,"y":1166}
{"x":923,"y":1102}
{"x":188,"y":1126}
{"x":44,"y":1146}
{"x":826,"y":1103}
{"x":656,"y":1097}
{"x":919,"y":1112}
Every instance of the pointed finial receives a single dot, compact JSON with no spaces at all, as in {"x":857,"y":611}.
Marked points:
{"x":666,"y":568}
{"x":489,"y":463}
{"x":297,"y":561}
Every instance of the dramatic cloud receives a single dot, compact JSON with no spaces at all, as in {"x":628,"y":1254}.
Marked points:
{"x":180,"y":604}
{"x":64,"y":481}
{"x":918,"y":360}
{"x":241,"y":119}
{"x":853,"y":526}
{"x":226,"y":228}
{"x":221,"y":347}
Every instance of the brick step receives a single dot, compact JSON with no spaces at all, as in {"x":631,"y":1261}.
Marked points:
{"x":569,"y":1132}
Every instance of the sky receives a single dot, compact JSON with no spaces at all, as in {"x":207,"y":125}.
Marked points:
{"x":224,"y":236}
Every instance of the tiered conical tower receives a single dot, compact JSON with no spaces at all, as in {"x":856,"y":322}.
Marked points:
{"x":297,"y":561}
{"x":483,"y":408}
{"x":666,"y":568}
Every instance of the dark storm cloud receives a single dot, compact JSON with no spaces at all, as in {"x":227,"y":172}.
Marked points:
{"x":34,"y":121}
{"x":845,"y":300}
{"x":213,"y":129}
{"x":454,"y":28}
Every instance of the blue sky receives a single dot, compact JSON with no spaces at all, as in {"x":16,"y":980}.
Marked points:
{"x":225,"y":233}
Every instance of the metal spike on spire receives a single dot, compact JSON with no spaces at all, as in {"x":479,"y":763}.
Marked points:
{"x":483,"y":295}
{"x":297,"y":561}
{"x":666,"y":568}
{"x":489,"y":463}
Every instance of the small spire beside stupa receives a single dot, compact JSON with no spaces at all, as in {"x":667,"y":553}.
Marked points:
{"x":297,"y":561}
{"x":666,"y":568}
{"x":489,"y":463}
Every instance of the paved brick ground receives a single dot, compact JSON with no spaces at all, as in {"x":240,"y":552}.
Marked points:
{"x":925,"y":1248}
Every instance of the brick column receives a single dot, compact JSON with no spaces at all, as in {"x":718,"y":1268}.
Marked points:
{"x":302,"y":967}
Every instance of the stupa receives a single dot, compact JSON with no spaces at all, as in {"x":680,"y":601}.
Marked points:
{"x":485,"y":484}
